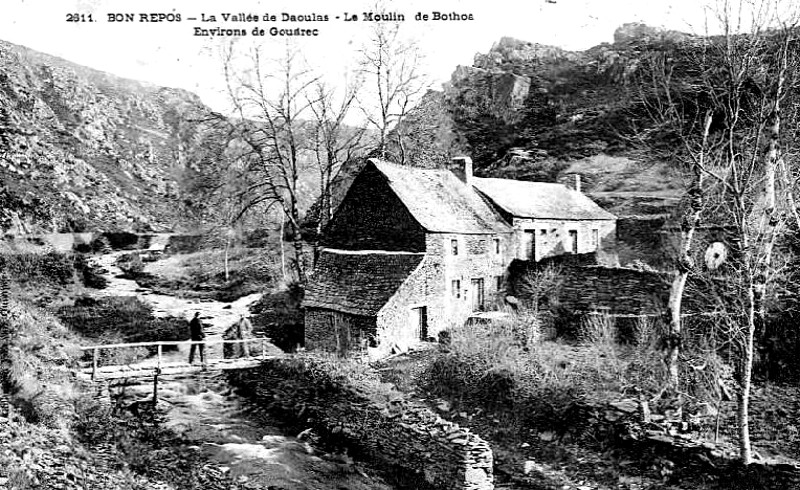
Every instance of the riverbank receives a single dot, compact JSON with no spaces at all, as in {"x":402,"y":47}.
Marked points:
{"x":203,"y":435}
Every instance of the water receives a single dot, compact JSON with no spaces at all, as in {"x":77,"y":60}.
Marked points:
{"x":227,"y":428}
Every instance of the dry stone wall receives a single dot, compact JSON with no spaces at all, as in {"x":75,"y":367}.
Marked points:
{"x":398,"y":433}
{"x":659,"y":439}
{"x":614,"y":289}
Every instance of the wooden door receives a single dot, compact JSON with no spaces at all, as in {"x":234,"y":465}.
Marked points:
{"x":530,"y":244}
{"x":419,"y":317}
{"x":477,"y":294}
{"x":573,"y":241}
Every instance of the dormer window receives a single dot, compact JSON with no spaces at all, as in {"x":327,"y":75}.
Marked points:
{"x":454,"y":246}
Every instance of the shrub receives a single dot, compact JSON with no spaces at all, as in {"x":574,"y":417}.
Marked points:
{"x":279,"y":316}
{"x":566,"y":323}
{"x":41,"y":348}
{"x":131,"y":265}
{"x":120,"y":319}
{"x":536,"y":382}
{"x":90,"y":274}
{"x":52,"y":267}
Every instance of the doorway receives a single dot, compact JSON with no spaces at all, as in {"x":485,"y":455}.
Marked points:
{"x":419,"y":318}
{"x":477,"y":294}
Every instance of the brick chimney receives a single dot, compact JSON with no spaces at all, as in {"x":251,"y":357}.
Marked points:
{"x":462,"y":168}
{"x":574,"y":182}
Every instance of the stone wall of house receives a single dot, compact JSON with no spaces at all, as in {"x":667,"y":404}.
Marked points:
{"x":398,"y":434}
{"x":372,"y":217}
{"x":398,"y":328}
{"x":432,"y":286}
{"x":552,"y":237}
{"x":483,"y":257}
{"x":613,"y":289}
{"x":339,"y":332}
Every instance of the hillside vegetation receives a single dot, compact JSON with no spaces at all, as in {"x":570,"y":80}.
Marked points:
{"x":84,"y":150}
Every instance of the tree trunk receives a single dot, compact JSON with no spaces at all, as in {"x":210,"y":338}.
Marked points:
{"x":685,"y":262}
{"x":673,"y":345}
{"x":283,"y":253}
{"x":227,"y":270}
{"x":745,"y":450}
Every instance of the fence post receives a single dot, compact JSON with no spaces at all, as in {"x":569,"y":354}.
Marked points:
{"x":95,"y":356}
{"x":263,"y":349}
{"x":159,"y":357}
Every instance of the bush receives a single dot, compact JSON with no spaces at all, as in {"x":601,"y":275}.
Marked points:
{"x":131,"y":264}
{"x":90,"y":274}
{"x":122,"y":319}
{"x":52,"y":267}
{"x":535,"y":382}
{"x":566,"y":323}
{"x":278,"y":315}
{"x":41,"y":348}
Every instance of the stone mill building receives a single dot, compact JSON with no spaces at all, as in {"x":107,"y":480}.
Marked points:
{"x":411,"y":252}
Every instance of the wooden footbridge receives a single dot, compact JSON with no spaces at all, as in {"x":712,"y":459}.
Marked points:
{"x":166,"y":363}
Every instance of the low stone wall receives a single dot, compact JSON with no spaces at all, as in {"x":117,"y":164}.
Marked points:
{"x":616,"y":290}
{"x":629,"y":426}
{"x":396,"y":433}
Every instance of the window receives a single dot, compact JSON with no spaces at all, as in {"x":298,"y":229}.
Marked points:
{"x":499,"y":280}
{"x":573,"y":241}
{"x":455,"y":287}
{"x":496,"y":245}
{"x":481,"y":246}
{"x":454,"y":246}
{"x":530,"y":244}
{"x":595,"y":238}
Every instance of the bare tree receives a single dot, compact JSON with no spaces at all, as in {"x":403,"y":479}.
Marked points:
{"x":676,"y":119}
{"x":270,"y":99}
{"x":393,"y":83}
{"x":740,"y":84}
{"x":334,"y":143}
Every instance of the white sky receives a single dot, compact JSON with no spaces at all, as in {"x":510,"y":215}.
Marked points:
{"x":169,"y":55}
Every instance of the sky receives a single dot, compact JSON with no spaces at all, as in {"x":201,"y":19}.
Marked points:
{"x":169,"y":54}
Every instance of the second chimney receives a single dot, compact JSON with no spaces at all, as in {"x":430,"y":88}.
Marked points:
{"x":574,"y":183}
{"x":462,"y":168}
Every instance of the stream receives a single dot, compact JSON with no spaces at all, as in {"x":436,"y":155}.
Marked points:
{"x":230,"y":430}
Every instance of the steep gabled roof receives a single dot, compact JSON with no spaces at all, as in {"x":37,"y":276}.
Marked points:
{"x":358,"y":283}
{"x":439,"y":201}
{"x":540,"y":200}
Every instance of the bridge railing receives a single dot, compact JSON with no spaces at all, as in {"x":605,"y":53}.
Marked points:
{"x":160,"y":345}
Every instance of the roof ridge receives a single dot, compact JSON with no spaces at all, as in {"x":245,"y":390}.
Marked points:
{"x":341,"y":251}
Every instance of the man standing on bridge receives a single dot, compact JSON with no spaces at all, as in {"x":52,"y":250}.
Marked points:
{"x":196,"y":333}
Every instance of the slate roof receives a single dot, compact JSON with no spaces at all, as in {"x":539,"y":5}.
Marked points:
{"x":439,"y":201}
{"x":540,"y":200}
{"x":359,"y":282}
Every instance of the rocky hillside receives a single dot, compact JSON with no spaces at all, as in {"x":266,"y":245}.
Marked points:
{"x":82,"y":149}
{"x":535,"y":112}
